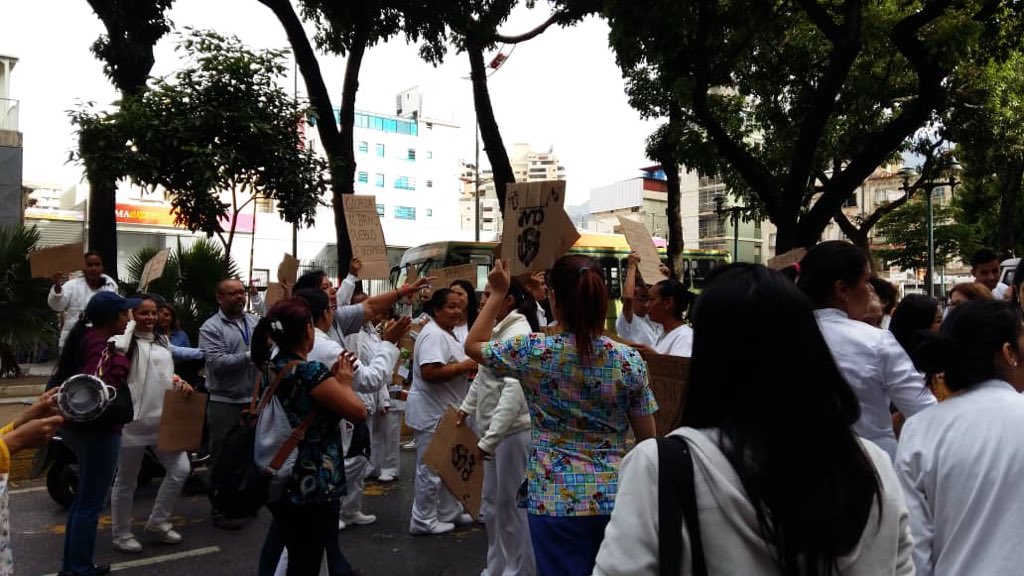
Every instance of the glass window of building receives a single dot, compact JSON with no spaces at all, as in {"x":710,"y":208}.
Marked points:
{"x":405,"y":213}
{"x":380,"y":150}
{"x":380,"y":209}
{"x":378,"y":180}
{"x":411,"y":155}
{"x":364,"y":177}
{"x":364,"y":147}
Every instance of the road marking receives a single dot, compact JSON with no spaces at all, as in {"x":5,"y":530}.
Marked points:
{"x":161,"y":559}
{"x":25,"y":490}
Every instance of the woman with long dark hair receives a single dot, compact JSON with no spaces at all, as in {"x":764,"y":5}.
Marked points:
{"x":916,"y":316}
{"x":783,"y":486}
{"x":440,"y":378}
{"x":834,"y":275}
{"x":499,"y":408}
{"x":585,"y":392}
{"x":469,"y":304}
{"x":307,"y":513}
{"x":960,"y":463}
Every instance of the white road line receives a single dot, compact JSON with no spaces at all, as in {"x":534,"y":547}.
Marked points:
{"x":25,"y":490}
{"x":161,"y":559}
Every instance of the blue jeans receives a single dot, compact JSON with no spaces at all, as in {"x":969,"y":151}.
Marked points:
{"x":566,"y":545}
{"x":97,"y":452}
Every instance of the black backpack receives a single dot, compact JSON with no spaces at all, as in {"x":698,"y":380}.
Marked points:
{"x":238,"y":488}
{"x":677,"y":503}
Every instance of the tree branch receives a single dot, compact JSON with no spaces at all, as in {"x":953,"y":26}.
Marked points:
{"x":822,"y":20}
{"x":529,"y":35}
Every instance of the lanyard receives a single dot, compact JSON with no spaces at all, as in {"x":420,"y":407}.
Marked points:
{"x":245,"y":333}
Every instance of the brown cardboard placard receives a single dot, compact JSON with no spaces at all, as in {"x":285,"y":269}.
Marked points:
{"x":154,"y":269}
{"x":788,"y":259}
{"x":66,"y":258}
{"x":536,"y":228}
{"x":288,"y":270}
{"x":366,"y":235}
{"x":443,"y":277}
{"x":640,"y":241}
{"x":181,"y":422}
{"x":668,"y":377}
{"x":273,"y":295}
{"x":453,"y":454}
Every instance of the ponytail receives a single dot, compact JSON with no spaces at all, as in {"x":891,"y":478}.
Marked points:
{"x":72,"y":356}
{"x":525,"y":303}
{"x":285,"y":324}
{"x":260,"y":347}
{"x":578,"y":282}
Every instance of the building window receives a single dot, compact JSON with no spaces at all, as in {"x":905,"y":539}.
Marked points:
{"x":364,"y":177}
{"x":405,"y":213}
{"x":378,"y":180}
{"x":430,"y":155}
{"x":430,"y":183}
{"x":380,"y":210}
{"x":706,"y":199}
{"x":264,"y":205}
{"x":711,"y":226}
{"x":405,"y":183}
{"x":390,"y":125}
{"x":363,"y":147}
{"x":430,"y":212}
{"x":411,"y":155}
{"x":430,"y":125}
{"x":380,"y":150}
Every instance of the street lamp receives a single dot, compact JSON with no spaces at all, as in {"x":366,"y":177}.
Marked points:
{"x":734,"y":213}
{"x":929,"y":187}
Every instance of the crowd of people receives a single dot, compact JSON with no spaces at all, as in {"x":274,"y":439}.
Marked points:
{"x":829,"y":427}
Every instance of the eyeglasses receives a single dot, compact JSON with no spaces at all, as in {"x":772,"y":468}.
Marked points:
{"x":234,"y":293}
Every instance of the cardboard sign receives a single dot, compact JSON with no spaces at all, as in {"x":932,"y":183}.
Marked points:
{"x":288,"y":270}
{"x":366,"y":235}
{"x":453,"y":454}
{"x":787,"y":259}
{"x":65,"y":259}
{"x":640,"y":241}
{"x":445,"y":276}
{"x":181,"y":423}
{"x":154,"y":268}
{"x":668,"y":376}
{"x":536,"y":228}
{"x":274,"y":294}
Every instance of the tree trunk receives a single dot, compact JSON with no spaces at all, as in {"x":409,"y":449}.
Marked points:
{"x":343,"y":176}
{"x":1011,"y":180}
{"x":673,"y":214}
{"x":103,"y":221}
{"x":489,"y":132}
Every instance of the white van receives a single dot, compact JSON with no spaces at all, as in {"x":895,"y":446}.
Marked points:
{"x":1006,"y":270}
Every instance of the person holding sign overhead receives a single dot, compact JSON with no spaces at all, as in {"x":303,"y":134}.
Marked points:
{"x":634,"y":324}
{"x":669,"y":302}
{"x":585,"y":391}
{"x":71,"y":296}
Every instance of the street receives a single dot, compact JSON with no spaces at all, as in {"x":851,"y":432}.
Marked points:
{"x":37,"y":526}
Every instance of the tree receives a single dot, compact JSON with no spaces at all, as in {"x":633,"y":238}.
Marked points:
{"x":662,"y":146}
{"x":905,"y":230}
{"x":990,"y":142}
{"x":133,"y":29}
{"x":28,"y":319}
{"x":777,"y":96}
{"x":221,"y":123}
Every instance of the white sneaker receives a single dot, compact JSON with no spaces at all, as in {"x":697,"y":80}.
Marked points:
{"x":164,"y":533}
{"x":385,"y":478}
{"x":342,"y":525}
{"x":437,"y":528}
{"x":127,"y":544}
{"x":359,"y":519}
{"x":461,"y":520}
{"x":410,"y":445}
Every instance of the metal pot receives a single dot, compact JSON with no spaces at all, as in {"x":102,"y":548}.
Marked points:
{"x":83,"y":397}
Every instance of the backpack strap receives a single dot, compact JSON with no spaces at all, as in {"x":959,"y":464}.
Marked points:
{"x":269,"y":392}
{"x":293,"y":440}
{"x":677,"y":502}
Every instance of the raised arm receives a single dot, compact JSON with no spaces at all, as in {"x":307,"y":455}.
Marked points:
{"x":56,"y":298}
{"x":481,"y":330}
{"x":629,"y":288}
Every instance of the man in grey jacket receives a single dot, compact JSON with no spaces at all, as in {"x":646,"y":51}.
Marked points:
{"x":225,"y":338}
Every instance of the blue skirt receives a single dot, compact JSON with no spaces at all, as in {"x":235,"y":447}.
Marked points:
{"x":566,"y":545}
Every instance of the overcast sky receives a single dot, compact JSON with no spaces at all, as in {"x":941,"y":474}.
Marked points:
{"x":562,"y":89}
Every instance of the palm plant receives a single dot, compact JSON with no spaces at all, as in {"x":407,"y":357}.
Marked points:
{"x":189,"y":281}
{"x":26,"y":317}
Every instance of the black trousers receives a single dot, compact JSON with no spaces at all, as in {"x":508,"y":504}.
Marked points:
{"x":308,"y":531}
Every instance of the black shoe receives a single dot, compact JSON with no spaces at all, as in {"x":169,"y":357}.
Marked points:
{"x":97,"y":570}
{"x":225,"y":523}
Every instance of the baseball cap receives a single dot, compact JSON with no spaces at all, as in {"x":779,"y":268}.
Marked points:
{"x":105,"y":305}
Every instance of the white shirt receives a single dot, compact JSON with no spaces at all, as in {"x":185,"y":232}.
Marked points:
{"x":368,"y":378}
{"x":461,"y":331}
{"x":370,"y":346}
{"x":960,"y":465}
{"x":428,"y":401}
{"x":1000,"y":291}
{"x":74,"y":295}
{"x":640,"y":331}
{"x":150,"y":377}
{"x":879,"y":371}
{"x":678,"y":342}
{"x":729,"y":525}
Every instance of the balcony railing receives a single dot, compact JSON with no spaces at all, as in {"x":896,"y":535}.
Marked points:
{"x":8,"y":114}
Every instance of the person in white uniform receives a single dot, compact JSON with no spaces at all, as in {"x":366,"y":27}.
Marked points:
{"x":986,"y":270}
{"x":834,"y":275}
{"x":499,"y":407}
{"x":469,"y":304}
{"x":634,"y":325}
{"x":782,"y":484}
{"x":960,"y":463}
{"x":439,"y":379}
{"x":150,"y":377}
{"x":71,"y":296}
{"x":668,"y":305}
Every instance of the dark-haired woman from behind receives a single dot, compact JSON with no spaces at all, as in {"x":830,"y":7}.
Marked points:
{"x":585,"y":392}
{"x":916,"y":316}
{"x":960,"y":463}
{"x":834,"y":275}
{"x":307,"y":513}
{"x":783,"y":485}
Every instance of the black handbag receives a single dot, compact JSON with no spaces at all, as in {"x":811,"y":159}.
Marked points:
{"x":677,"y":502}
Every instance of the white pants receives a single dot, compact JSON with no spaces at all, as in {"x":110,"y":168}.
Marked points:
{"x":509,"y":551}
{"x":432,"y":502}
{"x":128,"y":465}
{"x":385,"y":432}
{"x":355,"y":476}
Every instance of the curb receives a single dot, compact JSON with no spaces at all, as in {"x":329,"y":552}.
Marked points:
{"x":21,"y":390}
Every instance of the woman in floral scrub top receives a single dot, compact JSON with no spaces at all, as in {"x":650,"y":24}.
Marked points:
{"x":583,"y":401}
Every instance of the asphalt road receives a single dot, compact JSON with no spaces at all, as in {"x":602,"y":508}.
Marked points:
{"x":37,"y":526}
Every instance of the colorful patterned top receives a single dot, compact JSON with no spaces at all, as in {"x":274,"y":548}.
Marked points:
{"x":319,"y":472}
{"x":580,"y":417}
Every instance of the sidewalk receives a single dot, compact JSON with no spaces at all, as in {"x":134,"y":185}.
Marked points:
{"x":13,"y":390}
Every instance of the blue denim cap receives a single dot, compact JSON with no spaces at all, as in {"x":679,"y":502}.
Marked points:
{"x":104,"y":306}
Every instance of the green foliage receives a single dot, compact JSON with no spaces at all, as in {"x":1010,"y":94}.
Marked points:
{"x":189,"y":282}
{"x":221,"y":123}
{"x":133,"y":28}
{"x":27,"y":318}
{"x":906,"y":232}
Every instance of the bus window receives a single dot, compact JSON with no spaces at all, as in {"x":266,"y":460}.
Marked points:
{"x":610,"y":265}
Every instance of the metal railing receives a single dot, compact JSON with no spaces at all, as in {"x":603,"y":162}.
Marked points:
{"x":8,"y":114}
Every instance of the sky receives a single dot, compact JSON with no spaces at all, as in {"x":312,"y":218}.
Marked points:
{"x":561,"y":89}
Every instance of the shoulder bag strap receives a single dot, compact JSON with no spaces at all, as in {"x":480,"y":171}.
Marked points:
{"x":269,"y":393}
{"x":677,"y":502}
{"x":293,"y":440}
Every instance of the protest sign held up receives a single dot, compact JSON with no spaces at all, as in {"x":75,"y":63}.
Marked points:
{"x":537,"y":231}
{"x":640,"y":241}
{"x":66,"y":258}
{"x":367,"y":235}
{"x":154,"y":268}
